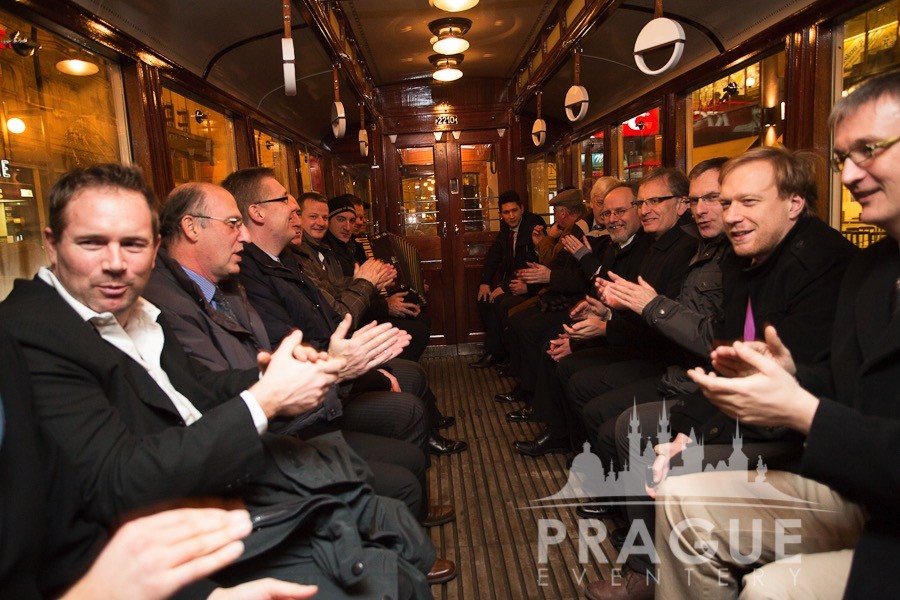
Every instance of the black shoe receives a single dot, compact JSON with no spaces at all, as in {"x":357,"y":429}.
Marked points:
{"x":445,"y":423}
{"x":593,"y":511}
{"x":617,"y":537}
{"x":485,"y":361}
{"x":503,"y":369}
{"x":514,"y":395}
{"x":523,"y":415}
{"x":543,"y":444}
{"x":439,"y":445}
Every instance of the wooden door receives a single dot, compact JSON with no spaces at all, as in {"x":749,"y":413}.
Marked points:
{"x":446,"y":206}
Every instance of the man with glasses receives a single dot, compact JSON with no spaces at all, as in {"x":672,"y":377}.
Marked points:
{"x":792,"y":265}
{"x":661,"y":201}
{"x":847,"y":409}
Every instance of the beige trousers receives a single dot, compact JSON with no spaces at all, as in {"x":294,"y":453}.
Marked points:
{"x":712,"y":529}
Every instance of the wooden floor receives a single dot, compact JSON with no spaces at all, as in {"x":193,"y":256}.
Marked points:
{"x":494,"y":540}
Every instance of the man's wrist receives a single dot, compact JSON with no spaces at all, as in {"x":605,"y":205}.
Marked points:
{"x":260,"y":420}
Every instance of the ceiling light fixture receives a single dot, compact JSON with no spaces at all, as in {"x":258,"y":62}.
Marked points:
{"x":448,"y":34}
{"x":453,"y":5}
{"x":77,"y":67}
{"x":447,"y":67}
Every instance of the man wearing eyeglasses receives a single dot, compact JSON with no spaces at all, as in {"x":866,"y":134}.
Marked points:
{"x":847,"y":407}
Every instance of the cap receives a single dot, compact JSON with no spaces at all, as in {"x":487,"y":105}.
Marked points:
{"x":570,"y":199}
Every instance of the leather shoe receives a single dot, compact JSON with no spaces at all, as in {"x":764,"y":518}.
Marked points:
{"x":543,"y":444}
{"x":442,"y":571}
{"x":438,"y":514}
{"x":593,"y":511}
{"x":617,"y":537}
{"x":523,"y":415}
{"x":445,"y":422}
{"x":630,"y":586}
{"x":514,"y":395}
{"x":485,"y":361}
{"x":439,"y":445}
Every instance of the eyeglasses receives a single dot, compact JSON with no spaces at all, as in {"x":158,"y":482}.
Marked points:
{"x":710,"y":198}
{"x":619,"y":212}
{"x":233,"y":222}
{"x":282,"y":199}
{"x":652,"y":201}
{"x":861,"y":154}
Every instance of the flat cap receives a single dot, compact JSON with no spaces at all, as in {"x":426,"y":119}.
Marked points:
{"x":571,"y":199}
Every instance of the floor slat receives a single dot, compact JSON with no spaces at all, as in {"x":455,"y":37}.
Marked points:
{"x":494,"y":539}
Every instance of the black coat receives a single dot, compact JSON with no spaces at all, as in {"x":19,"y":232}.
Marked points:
{"x":499,"y":263}
{"x":129,"y":449}
{"x":794,"y":290}
{"x":285,"y":298}
{"x":853,"y":443}
{"x":664,"y":266}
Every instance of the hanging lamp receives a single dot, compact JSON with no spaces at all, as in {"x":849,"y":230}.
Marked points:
{"x":577,"y":96}
{"x":287,"y":52}
{"x":539,"y":129}
{"x":363,"y":134}
{"x":338,"y":116}
{"x":659,"y":33}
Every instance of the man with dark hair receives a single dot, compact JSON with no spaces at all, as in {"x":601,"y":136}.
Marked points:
{"x":336,"y":248}
{"x":282,"y":292}
{"x":847,"y":408}
{"x":138,"y":425}
{"x":195,"y":285}
{"x":500,"y":290}
{"x":661,"y":202}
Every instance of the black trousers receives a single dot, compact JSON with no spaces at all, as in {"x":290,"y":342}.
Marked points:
{"x":495,"y":318}
{"x":419,"y":327}
{"x":529,"y":333}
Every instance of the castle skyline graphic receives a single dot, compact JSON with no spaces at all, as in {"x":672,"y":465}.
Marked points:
{"x":589,"y":479}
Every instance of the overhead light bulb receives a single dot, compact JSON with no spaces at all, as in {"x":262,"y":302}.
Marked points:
{"x":447,"y":67}
{"x":453,"y":5}
{"x":79,"y":68}
{"x":15,"y":125}
{"x":450,"y":45}
{"x":447,"y":74}
{"x":448,"y":35}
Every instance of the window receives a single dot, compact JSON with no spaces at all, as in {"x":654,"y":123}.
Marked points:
{"x":591,"y":152}
{"x":272,"y":152}
{"x":867,"y":46}
{"x":480,"y":193}
{"x":59,"y":109}
{"x":641,"y":139}
{"x":420,"y":206}
{"x":740,"y":110}
{"x":542,"y":183}
{"x":201,"y":139}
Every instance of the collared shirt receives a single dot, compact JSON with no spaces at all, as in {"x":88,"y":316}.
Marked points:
{"x":142,"y":339}
{"x":207,"y":287}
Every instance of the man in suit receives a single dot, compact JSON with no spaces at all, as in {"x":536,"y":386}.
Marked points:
{"x":500,"y":290}
{"x":194,"y":284}
{"x":848,"y":408}
{"x":140,"y":425}
{"x":287,"y":298}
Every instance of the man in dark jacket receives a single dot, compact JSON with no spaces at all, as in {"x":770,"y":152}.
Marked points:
{"x":499,"y":290}
{"x":795,"y":263}
{"x":139,"y":425}
{"x":850,"y":414}
{"x":285,"y":298}
{"x":202,"y":237}
{"x":337,"y":248}
{"x":661,"y":202}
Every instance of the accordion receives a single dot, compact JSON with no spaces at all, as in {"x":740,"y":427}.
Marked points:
{"x":404,"y":257}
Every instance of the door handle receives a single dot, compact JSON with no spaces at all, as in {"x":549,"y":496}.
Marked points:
{"x":456,"y":229}
{"x":444,"y":234}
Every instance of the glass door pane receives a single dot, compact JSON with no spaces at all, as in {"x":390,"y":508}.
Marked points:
{"x":420,"y":207}
{"x":479,"y":188}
